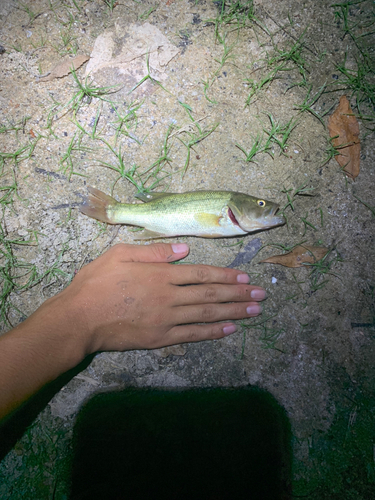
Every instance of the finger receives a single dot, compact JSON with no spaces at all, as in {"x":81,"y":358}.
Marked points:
{"x":209,"y":313}
{"x":197,"y":333}
{"x":195,"y":274}
{"x":156,"y":252}
{"x":205,"y":294}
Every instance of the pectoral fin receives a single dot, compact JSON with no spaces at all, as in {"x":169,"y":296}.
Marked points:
{"x":208,"y":221}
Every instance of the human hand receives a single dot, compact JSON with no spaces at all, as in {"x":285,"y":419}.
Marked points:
{"x":133,"y":298}
{"x":129,"y":298}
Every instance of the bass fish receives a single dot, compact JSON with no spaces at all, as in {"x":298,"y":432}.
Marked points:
{"x":209,"y":214}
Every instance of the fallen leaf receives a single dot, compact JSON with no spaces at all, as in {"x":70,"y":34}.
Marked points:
{"x":298,"y":256}
{"x":65,"y":67}
{"x":343,"y":124}
{"x":247,"y":254}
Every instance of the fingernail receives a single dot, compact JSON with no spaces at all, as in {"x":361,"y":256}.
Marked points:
{"x":254,"y":310}
{"x":228,"y":330}
{"x":243,"y":278}
{"x":258,"y":294}
{"x":180,"y":248}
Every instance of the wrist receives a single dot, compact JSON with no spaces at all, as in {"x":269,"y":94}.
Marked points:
{"x":55,"y":332}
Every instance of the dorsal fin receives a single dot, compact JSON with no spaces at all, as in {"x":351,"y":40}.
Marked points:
{"x":146,"y":197}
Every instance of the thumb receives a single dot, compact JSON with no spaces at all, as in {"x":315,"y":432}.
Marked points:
{"x":156,"y":252}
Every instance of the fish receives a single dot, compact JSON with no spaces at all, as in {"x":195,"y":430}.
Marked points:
{"x":208,"y":214}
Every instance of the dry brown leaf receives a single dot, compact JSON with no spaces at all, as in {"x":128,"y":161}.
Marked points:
{"x":65,"y":67}
{"x":343,"y":124}
{"x":298,"y":256}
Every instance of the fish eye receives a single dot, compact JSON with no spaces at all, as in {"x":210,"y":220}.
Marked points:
{"x":261,"y":203}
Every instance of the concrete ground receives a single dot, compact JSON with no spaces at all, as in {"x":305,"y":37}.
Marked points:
{"x":225,"y":77}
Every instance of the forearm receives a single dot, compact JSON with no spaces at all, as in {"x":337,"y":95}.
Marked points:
{"x":36,"y":352}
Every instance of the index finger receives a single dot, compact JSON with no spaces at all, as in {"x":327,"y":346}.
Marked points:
{"x":188,"y":274}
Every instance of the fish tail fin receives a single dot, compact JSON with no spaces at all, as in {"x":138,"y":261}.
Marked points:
{"x":99,"y":205}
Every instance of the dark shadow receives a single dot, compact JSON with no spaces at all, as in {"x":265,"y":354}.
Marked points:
{"x":210,"y":444}
{"x":15,"y":425}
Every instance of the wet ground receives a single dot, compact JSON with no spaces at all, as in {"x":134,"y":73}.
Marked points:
{"x":264,"y":76}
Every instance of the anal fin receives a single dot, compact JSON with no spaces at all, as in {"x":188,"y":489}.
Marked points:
{"x":148,"y":235}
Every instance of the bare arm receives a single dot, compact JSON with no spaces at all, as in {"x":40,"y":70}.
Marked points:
{"x":129,"y":298}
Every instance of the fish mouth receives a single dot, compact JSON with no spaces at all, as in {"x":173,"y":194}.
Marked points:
{"x":274,"y":218}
